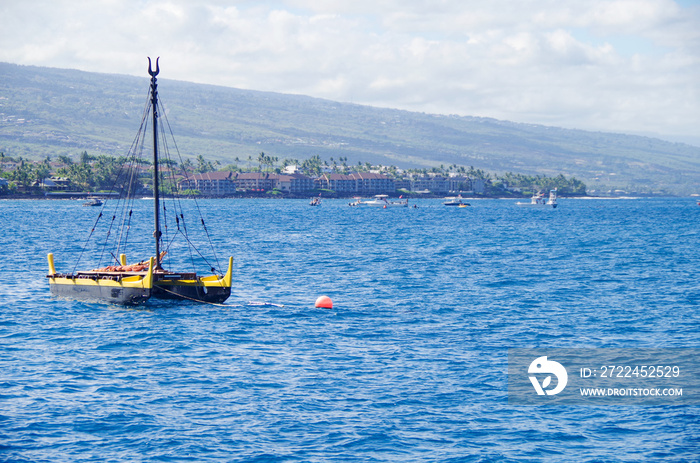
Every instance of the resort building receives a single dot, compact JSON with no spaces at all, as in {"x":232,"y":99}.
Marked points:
{"x":340,"y":183}
{"x":356,"y":183}
{"x":294,"y":183}
{"x":362,"y":183}
{"x":370,"y":183}
{"x":210,"y":183}
{"x":254,"y":181}
{"x":228,"y":183}
{"x":445,"y":185}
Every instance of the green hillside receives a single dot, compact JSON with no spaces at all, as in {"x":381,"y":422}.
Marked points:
{"x":45,"y":111}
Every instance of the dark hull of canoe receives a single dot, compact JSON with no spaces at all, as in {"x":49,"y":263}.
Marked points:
{"x":111,"y":294}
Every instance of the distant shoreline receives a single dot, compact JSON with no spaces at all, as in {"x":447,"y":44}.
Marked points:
{"x":297,"y":197}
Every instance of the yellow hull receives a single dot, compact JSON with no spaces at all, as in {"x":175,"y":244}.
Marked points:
{"x":133,"y":288}
{"x":212,"y":288}
{"x":129,"y":289}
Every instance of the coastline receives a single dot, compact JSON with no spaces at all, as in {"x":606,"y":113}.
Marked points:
{"x":263,"y":196}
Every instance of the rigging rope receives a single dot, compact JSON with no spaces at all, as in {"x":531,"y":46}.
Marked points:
{"x":186,"y":175}
{"x":126,"y":181}
{"x":94,"y":226}
{"x":118,"y":200}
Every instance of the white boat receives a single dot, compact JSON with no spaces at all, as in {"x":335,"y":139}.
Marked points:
{"x":455,"y":201}
{"x":93,"y":202}
{"x":538,"y":200}
{"x":380,"y":201}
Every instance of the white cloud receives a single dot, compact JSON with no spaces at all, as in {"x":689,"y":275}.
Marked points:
{"x":617,"y":65}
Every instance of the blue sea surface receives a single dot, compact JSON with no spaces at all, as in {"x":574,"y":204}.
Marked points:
{"x":410,"y":364}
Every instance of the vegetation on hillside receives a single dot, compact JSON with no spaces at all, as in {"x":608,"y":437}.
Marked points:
{"x":102,"y":173}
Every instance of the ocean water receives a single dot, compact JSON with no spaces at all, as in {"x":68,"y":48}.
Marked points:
{"x":410,"y":364}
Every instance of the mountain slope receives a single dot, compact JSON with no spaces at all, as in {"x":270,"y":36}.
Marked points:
{"x":46,"y":111}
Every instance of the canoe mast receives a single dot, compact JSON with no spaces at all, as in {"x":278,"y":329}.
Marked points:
{"x":156,"y":190}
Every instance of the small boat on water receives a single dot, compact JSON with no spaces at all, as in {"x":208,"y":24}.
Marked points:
{"x":538,"y":200}
{"x":134,"y":284}
{"x":93,"y":202}
{"x":380,"y":201}
{"x":455,"y":201}
{"x":316,"y":201}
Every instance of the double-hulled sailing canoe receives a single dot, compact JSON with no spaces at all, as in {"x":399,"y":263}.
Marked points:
{"x":135,"y":284}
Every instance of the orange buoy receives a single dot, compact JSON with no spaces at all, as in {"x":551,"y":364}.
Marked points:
{"x":324,"y":302}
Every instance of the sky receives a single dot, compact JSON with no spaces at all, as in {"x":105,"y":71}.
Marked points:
{"x":627,"y":66}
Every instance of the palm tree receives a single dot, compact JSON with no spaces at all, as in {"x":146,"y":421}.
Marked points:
{"x":41,"y":171}
{"x":186,"y":166}
{"x":85,"y":158}
{"x":65,"y":160}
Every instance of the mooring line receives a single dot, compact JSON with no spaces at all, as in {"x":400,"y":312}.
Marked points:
{"x":221,"y":305}
{"x":192,"y":299}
